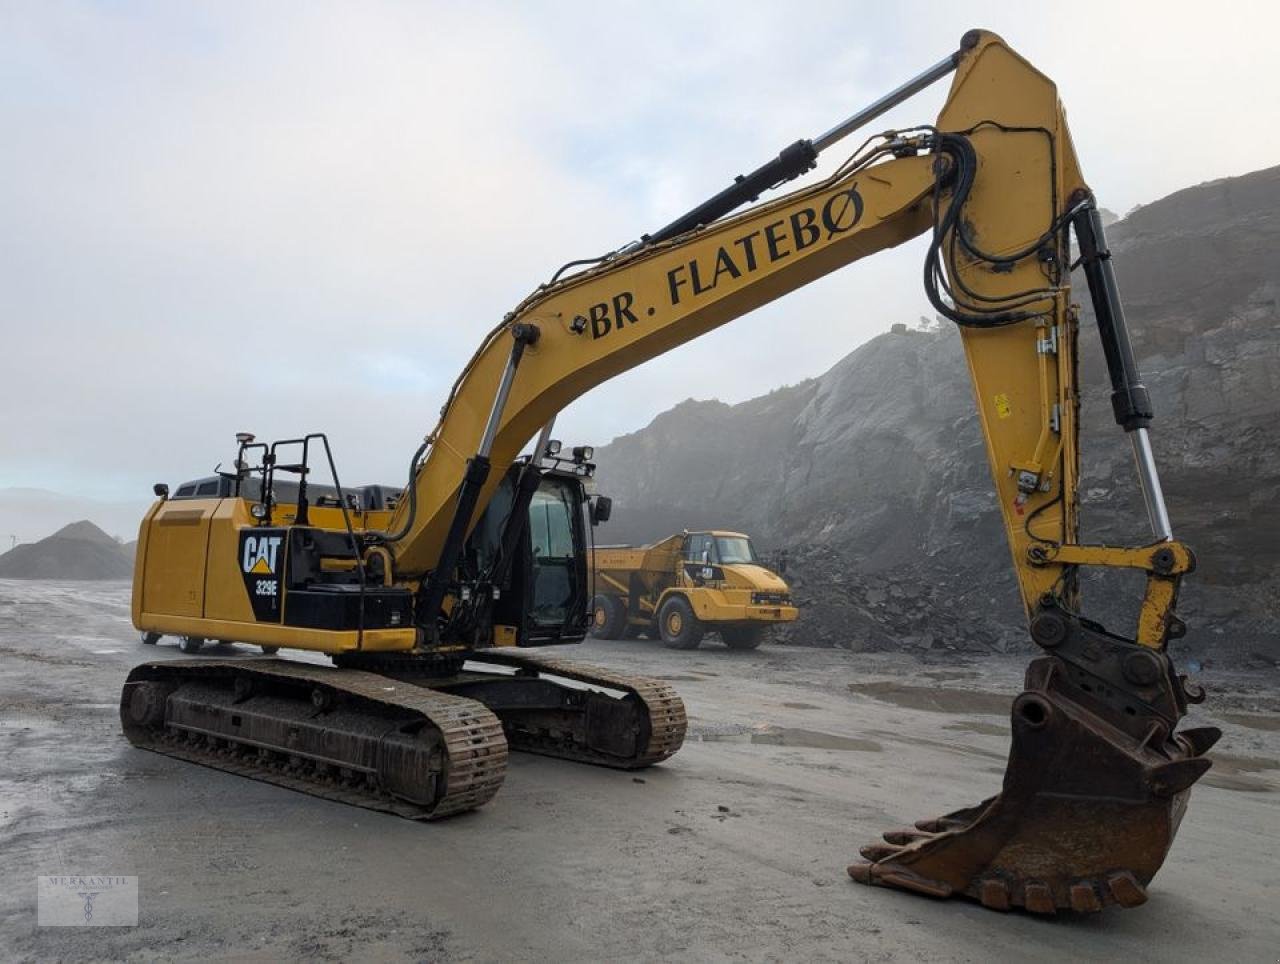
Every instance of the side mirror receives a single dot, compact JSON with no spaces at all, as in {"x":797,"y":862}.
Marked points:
{"x":601,"y":509}
{"x":782,"y":563}
{"x":161,"y":490}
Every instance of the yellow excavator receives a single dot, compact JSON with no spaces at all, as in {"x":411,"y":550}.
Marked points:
{"x":431,"y":601}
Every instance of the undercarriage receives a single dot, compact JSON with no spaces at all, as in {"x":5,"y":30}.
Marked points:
{"x":417,"y":744}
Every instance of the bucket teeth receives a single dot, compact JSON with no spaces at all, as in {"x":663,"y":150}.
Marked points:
{"x":877,"y":872}
{"x":1039,"y":899}
{"x":1200,"y":739}
{"x":1171,"y":778}
{"x":955,"y":820}
{"x":994,"y":894}
{"x":1084,"y":899}
{"x":861,"y":872}
{"x":876,"y":851}
{"x":909,"y":881}
{"x":1125,"y":889}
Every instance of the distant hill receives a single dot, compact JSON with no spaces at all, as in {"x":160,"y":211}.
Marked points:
{"x":78,"y":551}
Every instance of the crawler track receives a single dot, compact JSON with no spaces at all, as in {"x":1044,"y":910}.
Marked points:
{"x":341,"y":734}
{"x":659,"y":722}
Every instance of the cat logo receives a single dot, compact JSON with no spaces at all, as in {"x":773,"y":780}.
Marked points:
{"x":263,"y":563}
{"x":259,"y":553}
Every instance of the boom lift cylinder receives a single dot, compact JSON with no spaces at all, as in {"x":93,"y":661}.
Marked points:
{"x":477,"y":474}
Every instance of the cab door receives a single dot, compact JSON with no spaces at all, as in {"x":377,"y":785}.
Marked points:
{"x":557,"y":597}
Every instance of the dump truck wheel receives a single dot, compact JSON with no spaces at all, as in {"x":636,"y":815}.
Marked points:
{"x":608,"y":617}
{"x":150,"y":639}
{"x":269,"y":650}
{"x":742,"y":637}
{"x":678,"y":626}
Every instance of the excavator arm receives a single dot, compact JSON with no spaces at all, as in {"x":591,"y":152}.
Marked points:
{"x":1097,"y":778}
{"x":995,"y":180}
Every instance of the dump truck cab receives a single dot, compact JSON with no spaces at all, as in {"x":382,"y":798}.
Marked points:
{"x":685,"y":586}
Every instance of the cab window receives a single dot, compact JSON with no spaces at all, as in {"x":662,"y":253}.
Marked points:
{"x":695,"y":547}
{"x":551,"y":524}
{"x":731,"y":549}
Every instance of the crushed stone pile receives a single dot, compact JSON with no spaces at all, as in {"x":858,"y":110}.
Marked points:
{"x":78,"y":551}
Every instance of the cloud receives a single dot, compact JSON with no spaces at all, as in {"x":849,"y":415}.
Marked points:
{"x":299,"y":217}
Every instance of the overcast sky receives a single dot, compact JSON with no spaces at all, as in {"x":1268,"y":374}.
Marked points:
{"x":292,"y":217}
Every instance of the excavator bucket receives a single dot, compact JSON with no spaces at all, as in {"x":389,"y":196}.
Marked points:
{"x":1089,"y":808}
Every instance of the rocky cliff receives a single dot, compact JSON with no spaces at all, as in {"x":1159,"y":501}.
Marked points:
{"x":873,"y":476}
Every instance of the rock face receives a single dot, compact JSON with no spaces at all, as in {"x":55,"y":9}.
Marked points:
{"x":874,"y":479}
{"x":77,"y":551}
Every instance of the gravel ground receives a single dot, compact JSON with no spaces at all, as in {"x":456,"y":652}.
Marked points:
{"x":733,"y":850}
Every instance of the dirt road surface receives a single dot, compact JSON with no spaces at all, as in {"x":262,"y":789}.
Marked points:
{"x":733,"y":850}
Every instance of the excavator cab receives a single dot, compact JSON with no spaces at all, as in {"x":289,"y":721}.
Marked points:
{"x":539,"y":595}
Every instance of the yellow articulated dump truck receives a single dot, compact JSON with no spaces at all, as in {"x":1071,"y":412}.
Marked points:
{"x":685,"y":586}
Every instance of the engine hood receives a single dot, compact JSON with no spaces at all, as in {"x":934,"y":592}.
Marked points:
{"x":749,"y":576}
